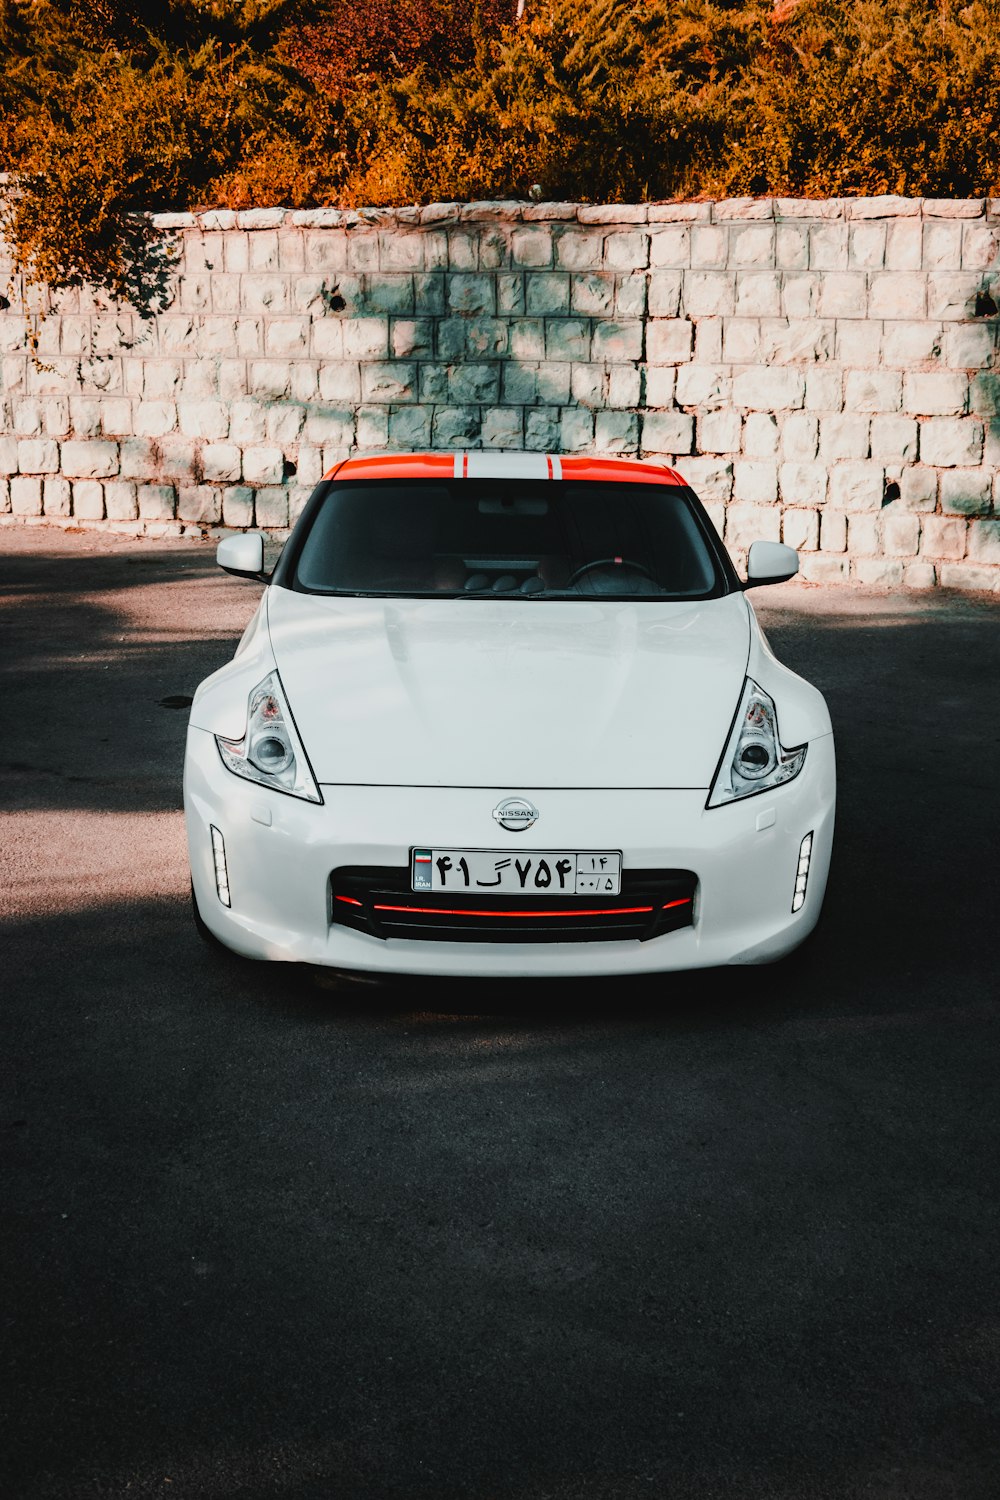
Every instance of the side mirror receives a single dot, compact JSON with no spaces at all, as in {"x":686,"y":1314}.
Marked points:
{"x":770,"y":562}
{"x":242,"y":555}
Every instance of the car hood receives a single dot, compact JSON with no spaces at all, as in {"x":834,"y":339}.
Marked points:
{"x":510,"y":694}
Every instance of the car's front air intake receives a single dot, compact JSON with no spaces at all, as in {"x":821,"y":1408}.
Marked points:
{"x":379,"y":901}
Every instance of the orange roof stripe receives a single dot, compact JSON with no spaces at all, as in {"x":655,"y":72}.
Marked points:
{"x":442,"y":465}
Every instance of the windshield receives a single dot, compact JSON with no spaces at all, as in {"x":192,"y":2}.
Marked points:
{"x":513,"y":538}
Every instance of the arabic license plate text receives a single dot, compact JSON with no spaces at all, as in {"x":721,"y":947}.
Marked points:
{"x":529,"y":872}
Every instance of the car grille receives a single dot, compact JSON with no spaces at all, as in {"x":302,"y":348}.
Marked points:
{"x":379,"y":901}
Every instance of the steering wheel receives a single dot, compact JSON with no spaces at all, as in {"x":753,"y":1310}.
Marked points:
{"x":610,"y":562}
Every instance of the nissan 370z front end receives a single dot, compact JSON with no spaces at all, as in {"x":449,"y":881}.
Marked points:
{"x":508,"y":715}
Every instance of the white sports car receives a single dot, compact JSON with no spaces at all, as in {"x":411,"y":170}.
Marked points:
{"x":507,"y":714}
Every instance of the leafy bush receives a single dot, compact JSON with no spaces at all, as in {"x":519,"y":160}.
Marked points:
{"x":109,"y":108}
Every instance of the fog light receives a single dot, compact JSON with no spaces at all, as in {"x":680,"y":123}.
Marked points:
{"x":221,"y":873}
{"x":802,"y":872}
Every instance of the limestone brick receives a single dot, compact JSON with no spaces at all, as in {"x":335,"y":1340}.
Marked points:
{"x":760,"y":435}
{"x":720,"y":431}
{"x":919,"y":575}
{"x":627,"y":249}
{"x":948,"y":442}
{"x":332,"y":428}
{"x":263,"y":465}
{"x":710,"y":478}
{"x":741,"y":341}
{"x":962,"y":576}
{"x":828,"y":245}
{"x":237,"y":506}
{"x":670,"y":245}
{"x":669,"y":341}
{"x":221,"y":462}
{"x":624,"y":386}
{"x":869,"y":391}
{"x":904,"y":245}
{"x":664,"y":294}
{"x":833,"y":531}
{"x":863,"y":539}
{"x":475,"y":294}
{"x":88,"y":499}
{"x":269,"y":379}
{"x":120,"y":500}
{"x":918,"y":488}
{"x":845,"y":435}
{"x":843,"y":294}
{"x":894,"y":439}
{"x":901,"y":533}
{"x":984,"y":543}
{"x":617,"y":342}
{"x":966,"y":492}
{"x":457,"y":427}
{"x":89,"y":460}
{"x":709,"y":247}
{"x":473,"y":384}
{"x":26,"y":496}
{"x":795,"y":341}
{"x":138,"y":458}
{"x":705,"y":387}
{"x":866,"y":246}
{"x":579,"y":249}
{"x":659,"y":386}
{"x":824,"y":390}
{"x":56,"y":497}
{"x":938,"y":394}
{"x":856,"y":486}
{"x":944,"y":537}
{"x":667,"y":432}
{"x":756,"y":481}
{"x":616,"y":432}
{"x":201,"y":504}
{"x":878,"y":572}
{"x":803,"y":483}
{"x":800,"y":529}
{"x":576,"y":429}
{"x":969,"y":346}
{"x":749,"y":523}
{"x":952,"y":296}
{"x":391,"y":381}
{"x":800,"y":437}
{"x":858,"y":342}
{"x":271,"y":507}
{"x":541,"y":430}
{"x":179,"y":458}
{"x":204,"y":419}
{"x":758,"y":294}
{"x":791,"y":247}
{"x":821,"y":567}
{"x":907,"y":344}
{"x":769,"y":389}
{"x":897,"y":294}
{"x":708,"y":294}
{"x":547,"y":294}
{"x":502,"y":427}
{"x":38,"y":456}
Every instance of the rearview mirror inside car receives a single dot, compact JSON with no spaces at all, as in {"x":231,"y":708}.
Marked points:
{"x":242,"y":555}
{"x":770,"y":562}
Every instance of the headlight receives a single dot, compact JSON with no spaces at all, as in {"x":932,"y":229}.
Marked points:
{"x":270,"y":752}
{"x":754,"y":759}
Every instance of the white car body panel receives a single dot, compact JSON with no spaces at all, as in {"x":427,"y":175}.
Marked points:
{"x":281,"y":852}
{"x":419,"y":716}
{"x":478,"y":692}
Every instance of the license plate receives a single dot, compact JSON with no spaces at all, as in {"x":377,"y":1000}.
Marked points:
{"x":535,"y":872}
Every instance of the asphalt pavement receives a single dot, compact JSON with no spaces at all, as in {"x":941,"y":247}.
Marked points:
{"x":722,"y":1235}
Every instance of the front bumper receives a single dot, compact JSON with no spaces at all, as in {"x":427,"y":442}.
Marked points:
{"x":281,"y":851}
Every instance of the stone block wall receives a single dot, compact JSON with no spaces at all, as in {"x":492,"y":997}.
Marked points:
{"x":823,"y":372}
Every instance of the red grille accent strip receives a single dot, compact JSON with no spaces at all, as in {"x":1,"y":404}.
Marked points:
{"x":446,"y":911}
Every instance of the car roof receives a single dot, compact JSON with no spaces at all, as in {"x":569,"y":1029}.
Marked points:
{"x":480,"y":465}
